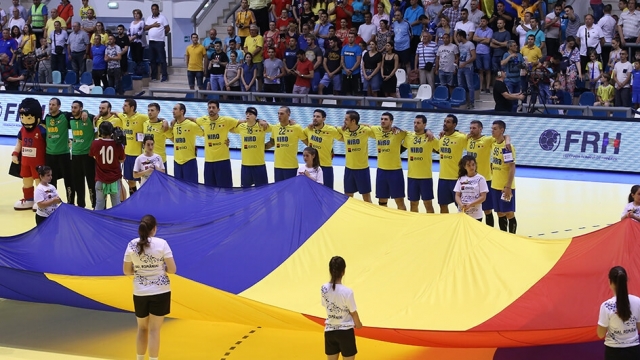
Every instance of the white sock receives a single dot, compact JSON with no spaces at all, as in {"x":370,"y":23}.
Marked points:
{"x":139,"y":357}
{"x":155,"y":358}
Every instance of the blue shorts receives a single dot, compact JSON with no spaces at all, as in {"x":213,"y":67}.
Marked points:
{"x":357,"y":181}
{"x":284,"y":174}
{"x":446,"y":78}
{"x":502,"y":206}
{"x":327,"y":176}
{"x":488,"y":201}
{"x":127,"y":168}
{"x":420,"y":189}
{"x":253,"y":175}
{"x":483,"y":61}
{"x":635,"y":97}
{"x":187,"y":171}
{"x":336,"y":81}
{"x":375,"y":82}
{"x":446,"y":195}
{"x":389,"y":184}
{"x":218,"y":173}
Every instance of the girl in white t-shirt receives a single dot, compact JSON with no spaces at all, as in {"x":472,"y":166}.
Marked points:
{"x":618,"y":320}
{"x":45,"y":196}
{"x":311,"y":167}
{"x":149,"y":259}
{"x":342,"y":314}
{"x":632,"y":210}
{"x":471,"y":189}
{"x":148,"y":162}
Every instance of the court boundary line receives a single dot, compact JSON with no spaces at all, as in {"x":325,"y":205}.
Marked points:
{"x":239,"y":342}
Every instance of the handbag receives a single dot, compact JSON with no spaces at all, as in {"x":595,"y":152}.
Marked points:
{"x":428,"y":66}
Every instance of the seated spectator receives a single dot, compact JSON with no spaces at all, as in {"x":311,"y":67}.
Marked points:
{"x":99,"y":71}
{"x":605,"y":92}
{"x":10,"y":76}
{"x":44,"y":65}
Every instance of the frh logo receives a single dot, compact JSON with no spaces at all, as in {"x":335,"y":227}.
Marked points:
{"x":588,"y":141}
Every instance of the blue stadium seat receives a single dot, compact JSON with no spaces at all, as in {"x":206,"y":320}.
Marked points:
{"x":405,"y":91}
{"x":57,"y":77}
{"x":441,"y":94}
{"x":52,"y":90}
{"x":127,"y":83}
{"x":619,"y":114}
{"x":86,"y":78}
{"x":426,"y":104}
{"x":600,"y":113}
{"x":567,"y":99}
{"x":97,"y":90}
{"x":109,"y":91}
{"x":71,"y":78}
{"x":190,"y":96}
{"x":587,"y":99}
{"x":574,"y":112}
{"x":131,"y":66}
{"x":476,"y":82}
{"x":458,"y":96}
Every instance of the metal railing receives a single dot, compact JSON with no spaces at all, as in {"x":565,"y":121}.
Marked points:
{"x":232,"y":14}
{"x":172,"y":91}
{"x":201,"y":13}
{"x":587,"y":110}
{"x":39,"y":86}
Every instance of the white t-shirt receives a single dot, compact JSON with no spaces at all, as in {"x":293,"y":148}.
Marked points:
{"x":608,"y":25}
{"x":447,"y":57}
{"x":144,"y":162}
{"x":42,"y":193}
{"x":468,"y":27}
{"x":522,"y":35}
{"x":630,"y":206}
{"x":594,"y":34}
{"x":367,"y":32}
{"x":150,"y":277}
{"x":339,"y":303}
{"x":316,"y":174}
{"x":622,"y":72}
{"x":619,"y":334}
{"x":470,"y":189}
{"x":156,"y":33}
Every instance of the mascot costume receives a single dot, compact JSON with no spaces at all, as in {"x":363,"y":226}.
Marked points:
{"x":30,"y":150}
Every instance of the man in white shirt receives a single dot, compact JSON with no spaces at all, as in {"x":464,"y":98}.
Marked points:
{"x":590,"y":35}
{"x":58,"y":39}
{"x":552,"y":24}
{"x":522,"y":29}
{"x":367,"y":30}
{"x":622,"y":79}
{"x":465,"y":25}
{"x":157,"y":26}
{"x":629,"y":26}
{"x":16,"y":20}
{"x":24,"y":14}
{"x":608,"y":25}
{"x":475,"y":14}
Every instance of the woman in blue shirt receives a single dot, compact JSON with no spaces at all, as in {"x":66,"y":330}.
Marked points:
{"x":249,"y":74}
{"x":99,"y":72}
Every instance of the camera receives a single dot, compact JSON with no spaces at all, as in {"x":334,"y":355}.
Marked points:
{"x":240,"y":26}
{"x":119,"y":137}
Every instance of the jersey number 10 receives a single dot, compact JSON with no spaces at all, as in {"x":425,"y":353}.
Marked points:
{"x":107,"y":155}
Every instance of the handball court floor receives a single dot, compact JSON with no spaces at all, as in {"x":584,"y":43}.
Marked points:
{"x":551,"y":204}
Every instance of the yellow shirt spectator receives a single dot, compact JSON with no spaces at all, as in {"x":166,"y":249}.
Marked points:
{"x":196,"y":56}
{"x":104,"y":38}
{"x":533,"y":54}
{"x":29,"y":44}
{"x":251,"y":44}
{"x":605,"y":93}
{"x":83,"y":11}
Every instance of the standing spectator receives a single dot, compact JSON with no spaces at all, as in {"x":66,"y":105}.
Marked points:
{"x":466,"y":59}
{"x":412,"y":16}
{"x":8,"y":45}
{"x":231,"y":35}
{"x":483,"y":37}
{"x":384,"y":35}
{"x":499,"y":45}
{"x":635,"y":89}
{"x":77,"y":45}
{"x":44,"y":65}
{"x":233,"y":46}
{"x":290,"y":60}
{"x":304,"y":72}
{"x":344,"y":11}
{"x":465,"y":25}
{"x":283,"y":21}
{"x":475,"y":15}
{"x":101,"y":33}
{"x":538,"y":34}
{"x":89,"y":23}
{"x":351,"y":56}
{"x":233,"y":74}
{"x":622,"y":79}
{"x":390,"y":64}
{"x":572,"y":22}
{"x":16,"y":20}
{"x":443,"y":28}
{"x":260,"y":9}
{"x":249,"y":74}
{"x":598,"y":9}
{"x":446,"y":60}
{"x":244,"y":19}
{"x":367,"y":31}
{"x":58,"y":40}
{"x":332,"y":69}
{"x":112,"y":56}
{"x":503,"y":98}
{"x":380,"y":15}
{"x":302,"y":38}
{"x":137,"y":37}
{"x":371,"y":64}
{"x":10,"y":76}
{"x":571,"y":59}
{"x":306,"y":15}
{"x":157,"y":27}
{"x":272,"y":33}
{"x":22,"y":12}
{"x":590,"y":37}
{"x":84,"y":10}
{"x":122,"y":40}
{"x":531,"y":54}
{"x":99,"y":70}
{"x":16,"y":35}
{"x":253,"y":45}
{"x":50,"y":24}
{"x":273,"y":73}
{"x":196,"y":59}
{"x":65,"y":11}
{"x":209,"y":42}
{"x":452,"y":13}
{"x":217,"y":66}
{"x":523,"y":29}
{"x":552,"y":23}
{"x":343,"y":31}
{"x":629,"y":26}
{"x":524,"y":8}
{"x":608,"y":25}
{"x":316,"y":60}
{"x":37,"y":17}
{"x":426,"y":58}
{"x":500,"y":14}
{"x":359,"y":9}
{"x":511,"y":62}
{"x":402,"y":40}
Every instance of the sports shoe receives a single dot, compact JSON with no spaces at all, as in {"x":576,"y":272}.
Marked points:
{"x":164,"y":79}
{"x":154,"y":80}
{"x":471,"y":106}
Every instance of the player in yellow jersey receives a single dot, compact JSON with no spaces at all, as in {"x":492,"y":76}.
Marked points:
{"x":105,"y":114}
{"x":156,"y":128}
{"x":452,"y":145}
{"x":389,"y":175}
{"x":321,"y":137}
{"x":503,"y":185}
{"x":185,"y":164}
{"x":420,"y":145}
{"x":252,"y":138}
{"x":133,"y":126}
{"x":356,"y":141}
{"x":285,"y":137}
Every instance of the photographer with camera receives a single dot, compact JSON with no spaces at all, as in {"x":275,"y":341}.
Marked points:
{"x":43,"y":67}
{"x":512,"y":62}
{"x":502,"y":97}
{"x":109,"y":154}
{"x":10,"y":76}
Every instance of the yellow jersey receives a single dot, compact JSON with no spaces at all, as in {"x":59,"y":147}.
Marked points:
{"x":133,"y":127}
{"x":197,"y":54}
{"x":114,"y":120}
{"x":159,"y":137}
{"x":322,"y":140}
{"x":419,"y":150}
{"x":184,"y":141}
{"x":216,"y":134}
{"x":499,"y":169}
{"x":286,"y":145}
{"x":356,"y":144}
{"x":252,"y":141}
{"x":388,"y":146}
{"x":481,"y":150}
{"x":451,"y":149}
